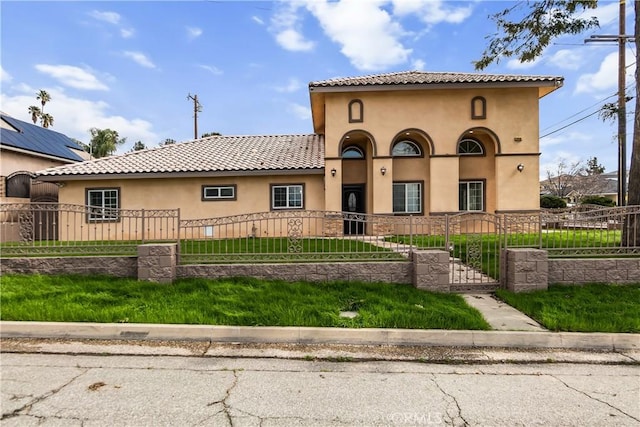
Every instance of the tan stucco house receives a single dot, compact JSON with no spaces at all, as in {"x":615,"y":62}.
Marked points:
{"x":416,"y":143}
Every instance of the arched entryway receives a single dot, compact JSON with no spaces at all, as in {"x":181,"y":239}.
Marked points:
{"x":357,"y":149}
{"x":477,"y":149}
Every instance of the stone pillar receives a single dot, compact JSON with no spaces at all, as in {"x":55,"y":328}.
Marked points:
{"x":527,"y":270}
{"x":157,"y":262}
{"x":431,"y":270}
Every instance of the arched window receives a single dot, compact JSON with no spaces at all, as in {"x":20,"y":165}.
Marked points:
{"x":478,"y":108}
{"x":470,"y":147}
{"x":356,"y":111}
{"x":406,"y":148}
{"x":352,"y":152}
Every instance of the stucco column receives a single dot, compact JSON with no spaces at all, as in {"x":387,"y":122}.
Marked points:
{"x":333,"y":185}
{"x":444,"y":177}
{"x":382,"y":185}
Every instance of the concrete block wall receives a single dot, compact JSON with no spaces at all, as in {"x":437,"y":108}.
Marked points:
{"x":594,"y":270}
{"x":431,"y":270}
{"x":526,"y":270}
{"x":116,"y":266}
{"x":157,"y":262}
{"x":390,"y":272}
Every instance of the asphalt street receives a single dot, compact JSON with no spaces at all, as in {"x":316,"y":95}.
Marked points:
{"x":65,"y":389}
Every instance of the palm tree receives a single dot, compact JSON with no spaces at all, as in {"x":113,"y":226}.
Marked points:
{"x":47,"y":120}
{"x":104,"y":142}
{"x":35,"y":113}
{"x":44,"y":97}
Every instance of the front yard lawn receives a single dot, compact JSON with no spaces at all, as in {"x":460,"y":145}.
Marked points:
{"x":589,"y":308}
{"x":239,"y":302}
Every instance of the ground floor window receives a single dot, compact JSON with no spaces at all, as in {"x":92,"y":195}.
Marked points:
{"x":471,"y":196}
{"x":287,"y":196}
{"x":218,"y":192}
{"x":407,"y":197}
{"x":103,"y":204}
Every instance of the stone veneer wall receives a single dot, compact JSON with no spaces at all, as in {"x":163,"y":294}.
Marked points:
{"x":594,"y":270}
{"x":390,"y":272}
{"x":117,"y":266}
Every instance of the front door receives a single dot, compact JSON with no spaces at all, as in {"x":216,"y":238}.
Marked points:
{"x":353,"y":206}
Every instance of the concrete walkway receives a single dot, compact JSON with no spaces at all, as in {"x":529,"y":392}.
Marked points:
{"x":501,"y":316}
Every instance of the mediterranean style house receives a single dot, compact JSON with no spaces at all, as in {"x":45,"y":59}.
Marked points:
{"x":406,"y":143}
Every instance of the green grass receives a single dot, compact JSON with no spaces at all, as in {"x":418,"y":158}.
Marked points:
{"x":241,"y":302}
{"x":589,"y":308}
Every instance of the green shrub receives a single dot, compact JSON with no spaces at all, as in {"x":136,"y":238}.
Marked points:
{"x":550,"y":202}
{"x":597,"y":200}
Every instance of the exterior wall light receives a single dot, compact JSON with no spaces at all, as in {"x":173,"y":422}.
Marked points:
{"x":520,"y":167}
{"x":333,"y":172}
{"x":383,"y":170}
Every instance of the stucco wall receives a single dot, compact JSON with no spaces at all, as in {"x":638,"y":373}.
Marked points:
{"x":11,"y":162}
{"x":442,"y":117}
{"x":252,"y":194}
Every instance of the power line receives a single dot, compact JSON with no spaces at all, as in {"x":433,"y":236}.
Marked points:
{"x":570,"y":124}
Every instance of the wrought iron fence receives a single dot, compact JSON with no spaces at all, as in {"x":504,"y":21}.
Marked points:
{"x":30,"y":229}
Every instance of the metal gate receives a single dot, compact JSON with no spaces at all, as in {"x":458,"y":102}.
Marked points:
{"x":44,"y":198}
{"x":474,"y":241}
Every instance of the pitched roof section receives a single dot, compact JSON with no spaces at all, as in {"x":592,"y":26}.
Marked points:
{"x":38,"y":140}
{"x":212,"y":154}
{"x":431,"y":78}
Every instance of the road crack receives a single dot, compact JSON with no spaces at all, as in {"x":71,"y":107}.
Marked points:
{"x":226,"y":409}
{"x":596,"y":399}
{"x":451,"y":398}
{"x":24,"y":409}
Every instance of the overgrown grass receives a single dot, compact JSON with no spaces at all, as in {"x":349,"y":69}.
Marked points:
{"x":589,"y":308}
{"x":241,"y":302}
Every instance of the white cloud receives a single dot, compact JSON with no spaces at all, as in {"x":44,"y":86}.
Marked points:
{"x":194,"y":32}
{"x":72,"y":76}
{"x":211,"y":68}
{"x":367,"y":34}
{"x":564,"y":139}
{"x":291,"y":39}
{"x":4,"y":76}
{"x":292,"y":85}
{"x":432,"y":11}
{"x":257,"y":20}
{"x":300,"y":111}
{"x":566,"y":59}
{"x":515,"y":64}
{"x":140,"y":58}
{"x":419,"y":64}
{"x":287,"y":27}
{"x":606,"y":78}
{"x":110,"y":17}
{"x":75,"y":116}
{"x":127,"y":32}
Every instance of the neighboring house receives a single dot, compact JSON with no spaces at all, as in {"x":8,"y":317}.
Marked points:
{"x":573,"y":188}
{"x":26,"y":148}
{"x":414,"y":143}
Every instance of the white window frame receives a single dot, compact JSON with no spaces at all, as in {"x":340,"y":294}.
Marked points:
{"x":415,"y":145}
{"x":103,"y":211}
{"x":219,"y":189}
{"x":289,"y":200}
{"x":405,"y":186}
{"x":468,"y":198}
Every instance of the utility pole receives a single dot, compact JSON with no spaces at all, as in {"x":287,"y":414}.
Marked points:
{"x":621,"y":39}
{"x":197,"y":107}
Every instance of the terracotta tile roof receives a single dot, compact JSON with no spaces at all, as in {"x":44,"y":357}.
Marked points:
{"x":212,"y":154}
{"x":427,"y":78}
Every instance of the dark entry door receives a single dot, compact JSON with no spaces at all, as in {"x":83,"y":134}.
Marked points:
{"x":353,"y":205}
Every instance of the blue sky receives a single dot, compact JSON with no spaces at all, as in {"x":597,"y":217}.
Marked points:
{"x":129,"y":65}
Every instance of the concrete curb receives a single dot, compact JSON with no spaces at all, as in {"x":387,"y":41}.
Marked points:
{"x":306,"y":335}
